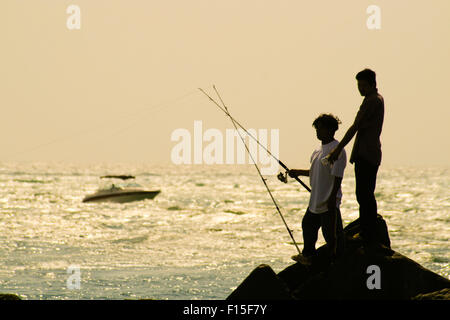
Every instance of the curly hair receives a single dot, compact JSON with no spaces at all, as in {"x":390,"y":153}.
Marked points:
{"x":328,"y":120}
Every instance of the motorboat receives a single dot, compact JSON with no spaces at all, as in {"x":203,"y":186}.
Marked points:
{"x":120,"y":192}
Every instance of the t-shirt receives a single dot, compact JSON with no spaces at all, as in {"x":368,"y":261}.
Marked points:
{"x":321,"y":177}
{"x":370,"y":120}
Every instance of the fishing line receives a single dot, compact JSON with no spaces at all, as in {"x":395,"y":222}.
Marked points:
{"x":156,"y":108}
{"x":256,"y":166}
{"x":284,"y":178}
{"x":120,"y":130}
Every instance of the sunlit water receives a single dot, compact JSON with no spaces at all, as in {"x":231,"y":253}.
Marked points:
{"x":198,"y":239}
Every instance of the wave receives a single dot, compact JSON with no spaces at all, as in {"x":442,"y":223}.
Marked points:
{"x":32,"y":181}
{"x":131,"y":240}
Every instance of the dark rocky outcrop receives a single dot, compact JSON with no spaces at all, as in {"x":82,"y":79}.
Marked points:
{"x":9,"y":296}
{"x":350,"y":276}
{"x":443,"y":294}
{"x":261,"y":284}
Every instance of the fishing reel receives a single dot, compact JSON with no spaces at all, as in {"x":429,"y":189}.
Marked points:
{"x":283,"y":177}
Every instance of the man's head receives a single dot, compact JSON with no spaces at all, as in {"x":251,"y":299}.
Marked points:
{"x":326,"y":125}
{"x":367,"y":82}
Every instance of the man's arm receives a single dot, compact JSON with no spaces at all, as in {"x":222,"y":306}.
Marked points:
{"x":334,"y":154}
{"x":362,"y":114}
{"x":298,"y":172}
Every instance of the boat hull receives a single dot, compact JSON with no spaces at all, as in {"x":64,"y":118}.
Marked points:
{"x":122,"y":196}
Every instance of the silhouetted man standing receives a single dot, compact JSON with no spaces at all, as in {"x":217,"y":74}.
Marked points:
{"x":366,"y":153}
{"x":325,"y":199}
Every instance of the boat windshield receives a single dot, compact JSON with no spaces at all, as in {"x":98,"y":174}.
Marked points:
{"x":118,"y":186}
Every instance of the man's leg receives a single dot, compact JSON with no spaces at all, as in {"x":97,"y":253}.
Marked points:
{"x":366,"y":176}
{"x":310,"y":226}
{"x":329,"y":233}
{"x":340,"y":233}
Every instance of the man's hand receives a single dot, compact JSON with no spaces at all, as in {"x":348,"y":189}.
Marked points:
{"x":293,"y":173}
{"x":334,"y":155}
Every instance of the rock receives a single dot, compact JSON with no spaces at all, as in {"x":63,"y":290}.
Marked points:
{"x":443,"y":294}
{"x":9,"y":296}
{"x":361,"y":272}
{"x":261,"y":284}
{"x":296,"y":274}
{"x":381,"y":230}
{"x":348,"y":278}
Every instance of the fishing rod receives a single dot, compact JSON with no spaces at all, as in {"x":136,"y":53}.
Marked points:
{"x":280,"y":176}
{"x":256,"y":166}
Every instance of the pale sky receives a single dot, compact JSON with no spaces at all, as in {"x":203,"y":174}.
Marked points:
{"x":116,"y":89}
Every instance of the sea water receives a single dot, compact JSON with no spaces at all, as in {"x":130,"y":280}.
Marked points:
{"x":198,"y":239}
